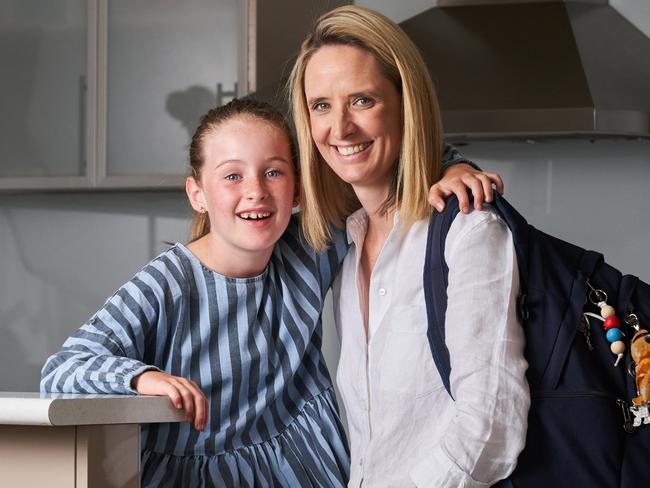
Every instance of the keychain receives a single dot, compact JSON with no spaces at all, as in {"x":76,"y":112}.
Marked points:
{"x":611,"y":324}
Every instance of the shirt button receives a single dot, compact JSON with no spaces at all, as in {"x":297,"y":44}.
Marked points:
{"x":360,"y":461}
{"x":382,"y":292}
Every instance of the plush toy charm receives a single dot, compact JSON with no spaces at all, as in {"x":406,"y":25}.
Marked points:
{"x":640,"y":352}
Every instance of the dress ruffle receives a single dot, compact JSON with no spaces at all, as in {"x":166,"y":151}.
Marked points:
{"x":311,"y":452}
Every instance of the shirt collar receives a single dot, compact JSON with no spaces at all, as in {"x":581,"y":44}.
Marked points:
{"x":356,"y":225}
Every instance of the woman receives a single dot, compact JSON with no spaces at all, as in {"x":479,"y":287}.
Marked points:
{"x":369,"y":134}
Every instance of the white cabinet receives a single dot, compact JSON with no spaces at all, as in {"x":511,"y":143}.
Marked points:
{"x":43,"y":91}
{"x":75,"y":441}
{"x":106,"y":93}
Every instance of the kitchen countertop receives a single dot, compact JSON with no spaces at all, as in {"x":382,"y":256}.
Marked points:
{"x":51,"y":409}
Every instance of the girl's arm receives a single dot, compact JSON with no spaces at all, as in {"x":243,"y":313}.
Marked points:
{"x":113,"y":352}
{"x":459,"y":175}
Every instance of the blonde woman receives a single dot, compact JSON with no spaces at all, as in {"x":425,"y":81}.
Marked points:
{"x":370,"y":139}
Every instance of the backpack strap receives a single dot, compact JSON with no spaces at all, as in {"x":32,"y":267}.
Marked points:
{"x":435,"y":275}
{"x":435,"y":286}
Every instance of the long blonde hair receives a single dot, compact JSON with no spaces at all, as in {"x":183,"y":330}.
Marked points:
{"x":209,"y":122}
{"x":325,"y":199}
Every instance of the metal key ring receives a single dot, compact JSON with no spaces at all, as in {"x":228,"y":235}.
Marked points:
{"x":599,"y":295}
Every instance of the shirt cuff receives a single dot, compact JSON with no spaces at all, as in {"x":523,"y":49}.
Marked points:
{"x":128,"y":377}
{"x":438,"y":471}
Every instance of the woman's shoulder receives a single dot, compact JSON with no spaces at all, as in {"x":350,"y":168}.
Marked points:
{"x":484,"y":224}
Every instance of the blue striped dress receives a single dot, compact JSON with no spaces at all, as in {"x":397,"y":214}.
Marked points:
{"x":254,"y":347}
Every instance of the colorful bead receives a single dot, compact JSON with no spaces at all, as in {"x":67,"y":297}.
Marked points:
{"x":607,"y":311}
{"x":614,"y":335}
{"x":612,"y":322}
{"x":617,"y":347}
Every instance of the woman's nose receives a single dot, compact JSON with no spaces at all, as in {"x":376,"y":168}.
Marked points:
{"x":343,"y":125}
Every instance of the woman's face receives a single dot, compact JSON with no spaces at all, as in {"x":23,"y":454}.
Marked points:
{"x":355,"y":115}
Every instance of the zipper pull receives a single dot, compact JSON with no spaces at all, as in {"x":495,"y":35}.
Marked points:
{"x":628,"y":425}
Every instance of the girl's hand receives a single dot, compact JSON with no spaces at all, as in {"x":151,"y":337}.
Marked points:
{"x":457,"y":179}
{"x":184,"y":394}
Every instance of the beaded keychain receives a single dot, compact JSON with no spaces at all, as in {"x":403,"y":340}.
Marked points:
{"x":639,"y":350}
{"x":611,"y":323}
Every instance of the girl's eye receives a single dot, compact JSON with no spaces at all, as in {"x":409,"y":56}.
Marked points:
{"x":273,"y":173}
{"x":232,"y":177}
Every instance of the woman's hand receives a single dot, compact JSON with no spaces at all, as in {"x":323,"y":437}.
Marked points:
{"x":184,"y":394}
{"x":457,"y":179}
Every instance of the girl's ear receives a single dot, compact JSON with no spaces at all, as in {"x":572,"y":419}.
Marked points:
{"x":195,"y":194}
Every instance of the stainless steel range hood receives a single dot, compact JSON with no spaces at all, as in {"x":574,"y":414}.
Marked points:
{"x":536,"y":68}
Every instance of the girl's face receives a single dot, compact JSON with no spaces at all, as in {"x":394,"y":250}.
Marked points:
{"x":247,"y":187}
{"x":355,"y":115}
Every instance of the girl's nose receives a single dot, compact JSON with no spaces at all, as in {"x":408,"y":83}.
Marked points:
{"x":256,"y":189}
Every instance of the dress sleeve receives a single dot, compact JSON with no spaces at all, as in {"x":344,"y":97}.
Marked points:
{"x":330,"y":261}
{"x":486,"y":345}
{"x":451,"y":156}
{"x":108,"y":351}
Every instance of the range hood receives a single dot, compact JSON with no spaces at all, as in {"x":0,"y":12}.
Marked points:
{"x":521,"y":68}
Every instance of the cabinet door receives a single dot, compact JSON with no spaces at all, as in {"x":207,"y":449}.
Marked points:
{"x":43,"y":88}
{"x":168,"y":62}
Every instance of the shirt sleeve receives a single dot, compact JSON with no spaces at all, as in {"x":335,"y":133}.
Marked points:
{"x":486,"y":345}
{"x":451,"y":156}
{"x":108,"y":351}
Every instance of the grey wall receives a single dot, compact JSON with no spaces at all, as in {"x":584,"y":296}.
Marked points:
{"x":62,"y":255}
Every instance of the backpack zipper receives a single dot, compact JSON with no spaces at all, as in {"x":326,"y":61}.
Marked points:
{"x":628,"y":425}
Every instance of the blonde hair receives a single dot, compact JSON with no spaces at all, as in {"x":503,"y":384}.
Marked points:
{"x":209,"y":122}
{"x":325,"y":199}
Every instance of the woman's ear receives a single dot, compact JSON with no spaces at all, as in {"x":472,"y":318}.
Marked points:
{"x":195,"y":194}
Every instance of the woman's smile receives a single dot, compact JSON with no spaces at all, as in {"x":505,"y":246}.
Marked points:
{"x":355,"y":114}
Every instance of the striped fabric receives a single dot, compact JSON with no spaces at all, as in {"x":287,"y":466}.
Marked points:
{"x":254,"y":347}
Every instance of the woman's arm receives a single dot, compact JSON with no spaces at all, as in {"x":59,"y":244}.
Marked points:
{"x":486,"y":344}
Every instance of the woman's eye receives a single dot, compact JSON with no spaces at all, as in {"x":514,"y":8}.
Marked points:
{"x":363,"y":101}
{"x":319,"y":106}
{"x":273,"y":173}
{"x":232,"y":177}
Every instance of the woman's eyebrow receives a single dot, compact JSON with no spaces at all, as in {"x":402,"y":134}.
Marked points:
{"x":312,"y":101}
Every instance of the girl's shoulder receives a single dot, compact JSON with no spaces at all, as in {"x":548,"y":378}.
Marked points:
{"x":168,"y":270}
{"x":294,"y":239}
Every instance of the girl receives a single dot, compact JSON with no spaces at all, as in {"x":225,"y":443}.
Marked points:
{"x":228,"y":326}
{"x":369,"y":134}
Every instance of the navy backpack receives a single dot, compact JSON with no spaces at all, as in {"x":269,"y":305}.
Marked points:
{"x":581,"y":430}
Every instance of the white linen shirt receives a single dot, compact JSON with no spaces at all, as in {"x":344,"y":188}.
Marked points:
{"x":404,"y":428}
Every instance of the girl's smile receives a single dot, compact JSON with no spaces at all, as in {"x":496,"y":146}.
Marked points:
{"x":248,"y":187}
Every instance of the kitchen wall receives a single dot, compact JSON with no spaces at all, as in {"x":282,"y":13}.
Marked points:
{"x":63,"y":254}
